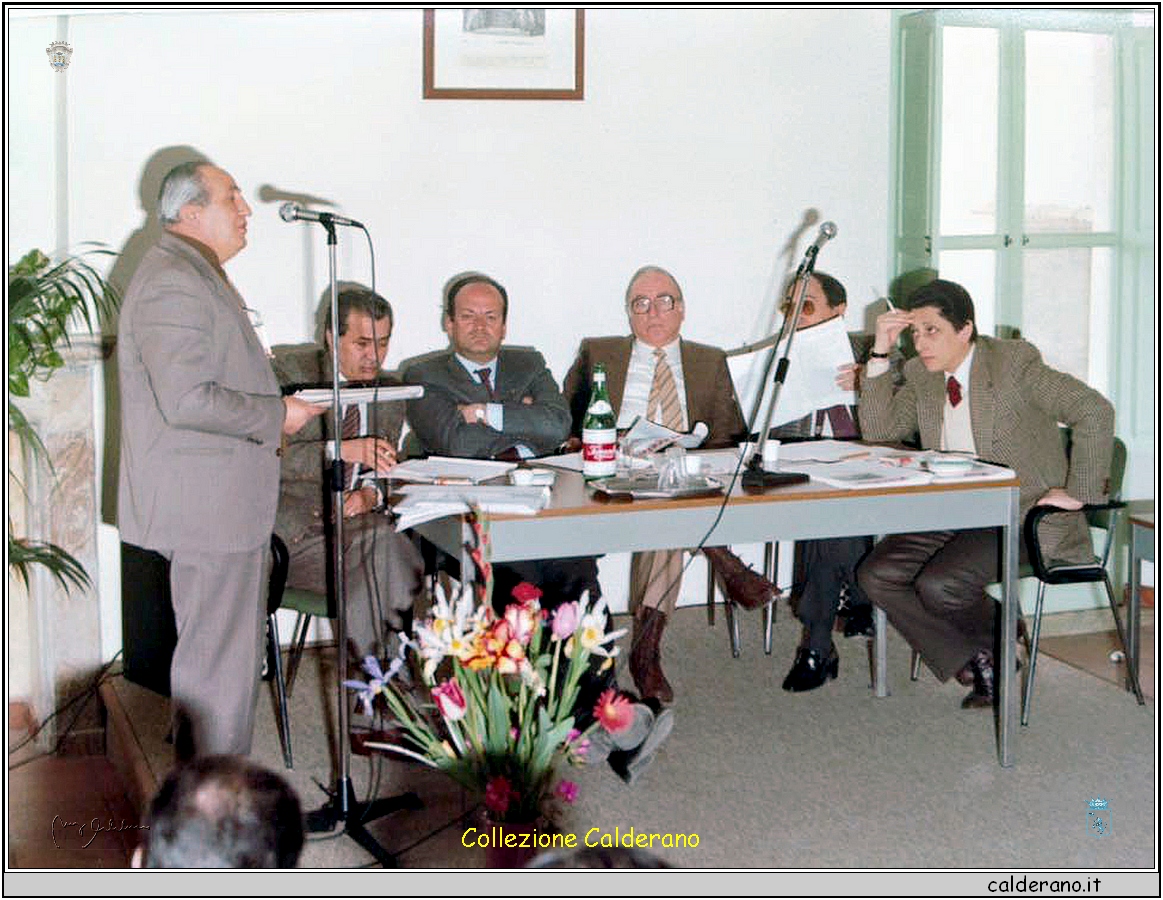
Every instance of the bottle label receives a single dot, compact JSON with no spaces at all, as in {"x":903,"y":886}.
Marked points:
{"x":600,"y":408}
{"x":599,"y":452}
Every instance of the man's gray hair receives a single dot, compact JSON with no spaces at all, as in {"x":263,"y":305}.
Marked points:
{"x":650,"y":270}
{"x":183,"y":184}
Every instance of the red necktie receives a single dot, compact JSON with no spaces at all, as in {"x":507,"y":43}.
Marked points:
{"x":953,"y":389}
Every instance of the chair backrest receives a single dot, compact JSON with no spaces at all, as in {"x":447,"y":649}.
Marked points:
{"x":280,"y":565}
{"x":1102,"y":518}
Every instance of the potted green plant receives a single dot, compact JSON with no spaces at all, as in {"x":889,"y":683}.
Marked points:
{"x":44,"y":298}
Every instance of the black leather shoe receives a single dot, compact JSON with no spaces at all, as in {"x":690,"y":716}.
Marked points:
{"x":811,"y":669}
{"x":859,"y":622}
{"x":982,"y":694}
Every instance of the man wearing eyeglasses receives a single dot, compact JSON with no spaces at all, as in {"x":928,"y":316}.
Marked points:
{"x":656,"y":374}
{"x":825,"y":570}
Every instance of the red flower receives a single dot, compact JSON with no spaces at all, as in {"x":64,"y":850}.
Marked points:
{"x":526,"y":592}
{"x":614,"y":711}
{"x":499,"y":794}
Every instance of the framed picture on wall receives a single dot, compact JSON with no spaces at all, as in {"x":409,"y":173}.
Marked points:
{"x":504,"y":54}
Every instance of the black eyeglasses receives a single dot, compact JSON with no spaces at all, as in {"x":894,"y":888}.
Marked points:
{"x":664,"y":303}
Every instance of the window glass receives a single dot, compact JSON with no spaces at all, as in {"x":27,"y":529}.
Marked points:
{"x":1069,"y":132}
{"x":969,"y":116}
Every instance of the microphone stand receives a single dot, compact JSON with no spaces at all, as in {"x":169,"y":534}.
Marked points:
{"x":342,"y":805}
{"x":755,"y":478}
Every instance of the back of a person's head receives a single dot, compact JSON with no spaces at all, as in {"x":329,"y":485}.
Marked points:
{"x":598,"y":858}
{"x":220,"y":812}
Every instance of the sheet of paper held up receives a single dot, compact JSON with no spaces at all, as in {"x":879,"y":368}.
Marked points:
{"x":816,"y":353}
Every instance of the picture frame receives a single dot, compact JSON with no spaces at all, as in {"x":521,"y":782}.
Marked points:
{"x":504,"y":54}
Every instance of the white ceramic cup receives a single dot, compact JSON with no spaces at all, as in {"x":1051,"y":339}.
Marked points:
{"x":693,"y":466}
{"x":770,"y":454}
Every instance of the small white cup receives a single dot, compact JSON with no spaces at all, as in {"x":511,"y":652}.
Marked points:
{"x":771,"y":454}
{"x":693,"y":466}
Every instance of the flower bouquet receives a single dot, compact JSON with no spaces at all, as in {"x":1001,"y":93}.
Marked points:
{"x":495,"y":709}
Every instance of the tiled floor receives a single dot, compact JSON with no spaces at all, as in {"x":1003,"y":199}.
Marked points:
{"x":68,"y":812}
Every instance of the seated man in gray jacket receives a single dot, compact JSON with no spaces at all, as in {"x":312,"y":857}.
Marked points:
{"x":384,"y":569}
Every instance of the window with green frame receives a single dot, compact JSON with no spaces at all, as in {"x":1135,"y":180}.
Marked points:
{"x":1025,"y":170}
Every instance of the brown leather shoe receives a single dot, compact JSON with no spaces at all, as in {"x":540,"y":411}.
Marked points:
{"x":982,"y":694}
{"x":646,"y":655}
{"x":741,"y":584}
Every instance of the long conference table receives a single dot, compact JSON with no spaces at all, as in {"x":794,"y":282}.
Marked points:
{"x":578,"y":523}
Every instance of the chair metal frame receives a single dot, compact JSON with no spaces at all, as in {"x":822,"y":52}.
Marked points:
{"x":770,"y":570}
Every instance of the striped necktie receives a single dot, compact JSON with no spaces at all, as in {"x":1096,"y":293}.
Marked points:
{"x":350,"y":429}
{"x":664,"y":394}
{"x":486,"y":377}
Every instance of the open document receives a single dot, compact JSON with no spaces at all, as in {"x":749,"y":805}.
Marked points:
{"x":425,"y":502}
{"x":847,"y":464}
{"x":816,"y":353}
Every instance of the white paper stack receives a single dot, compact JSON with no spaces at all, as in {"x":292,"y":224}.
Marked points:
{"x":449,"y":470}
{"x":425,"y":502}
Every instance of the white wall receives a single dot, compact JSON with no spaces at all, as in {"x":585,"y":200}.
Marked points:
{"x":703,"y":138}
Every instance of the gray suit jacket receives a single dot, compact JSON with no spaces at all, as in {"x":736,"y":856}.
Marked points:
{"x":710,"y":393}
{"x":1016,"y":402}
{"x":541,"y":425}
{"x":201,"y":411}
{"x":304,"y":498}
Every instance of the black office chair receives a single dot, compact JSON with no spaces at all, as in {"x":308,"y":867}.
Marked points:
{"x":1098,"y":515}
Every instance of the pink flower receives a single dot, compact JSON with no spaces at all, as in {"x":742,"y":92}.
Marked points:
{"x":523,"y":621}
{"x":526,"y":593}
{"x":450,"y":700}
{"x":499,"y":794}
{"x":565,"y":620}
{"x":614,"y":711}
{"x":567,"y":791}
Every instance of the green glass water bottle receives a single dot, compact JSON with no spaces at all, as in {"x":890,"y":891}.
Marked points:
{"x":599,"y":431}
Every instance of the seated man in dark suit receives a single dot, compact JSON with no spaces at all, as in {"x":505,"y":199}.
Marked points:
{"x":997,"y":400}
{"x":384,"y":569}
{"x":486,"y":401}
{"x":825,"y":570}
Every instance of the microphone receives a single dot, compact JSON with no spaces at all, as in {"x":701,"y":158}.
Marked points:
{"x":827,"y":232}
{"x":293,"y":212}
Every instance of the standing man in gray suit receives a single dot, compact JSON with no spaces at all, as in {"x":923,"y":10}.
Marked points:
{"x":997,"y":400}
{"x":202,"y":421}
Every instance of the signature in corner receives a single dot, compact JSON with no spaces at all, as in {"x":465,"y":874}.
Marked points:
{"x":60,"y":826}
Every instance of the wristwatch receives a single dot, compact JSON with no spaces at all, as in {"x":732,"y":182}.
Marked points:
{"x":481,"y":414}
